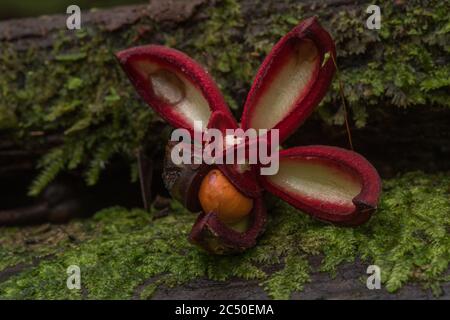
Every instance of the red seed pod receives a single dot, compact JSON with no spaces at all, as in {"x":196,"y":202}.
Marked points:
{"x":328,"y":183}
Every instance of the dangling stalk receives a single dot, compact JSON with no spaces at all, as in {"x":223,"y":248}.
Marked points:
{"x":341,"y":92}
{"x":145,"y":169}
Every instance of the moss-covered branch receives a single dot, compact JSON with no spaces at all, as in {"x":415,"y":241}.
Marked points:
{"x":125,"y":254}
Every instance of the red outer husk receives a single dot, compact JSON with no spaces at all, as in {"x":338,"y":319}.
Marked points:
{"x":173,"y":60}
{"x":307,"y":29}
{"x":212,"y":235}
{"x":365,"y":202}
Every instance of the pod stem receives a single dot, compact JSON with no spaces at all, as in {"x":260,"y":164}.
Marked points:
{"x":344,"y":104}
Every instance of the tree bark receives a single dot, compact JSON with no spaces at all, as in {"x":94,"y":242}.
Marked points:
{"x":27,"y":32}
{"x":349,"y":284}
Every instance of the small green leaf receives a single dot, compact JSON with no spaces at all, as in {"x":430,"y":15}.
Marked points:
{"x":74,"y":83}
{"x":326,"y":57}
{"x":79,"y":125}
{"x":71,"y":56}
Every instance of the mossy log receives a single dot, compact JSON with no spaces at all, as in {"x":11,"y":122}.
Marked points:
{"x":131,"y":254}
{"x":65,"y":105}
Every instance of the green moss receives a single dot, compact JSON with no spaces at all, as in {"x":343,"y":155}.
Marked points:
{"x":291,"y":278}
{"x":8,"y":119}
{"x":119,"y":250}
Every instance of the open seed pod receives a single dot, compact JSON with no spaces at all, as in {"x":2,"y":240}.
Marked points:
{"x":173,"y":84}
{"x":331,"y":184}
{"x":210,"y":231}
{"x":291,"y":81}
